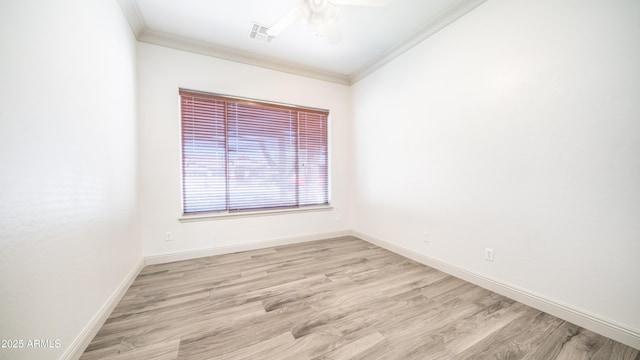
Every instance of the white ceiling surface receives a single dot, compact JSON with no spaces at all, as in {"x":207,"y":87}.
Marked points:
{"x":371,"y":36}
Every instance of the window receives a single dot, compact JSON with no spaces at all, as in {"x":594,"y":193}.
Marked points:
{"x":244,"y":155}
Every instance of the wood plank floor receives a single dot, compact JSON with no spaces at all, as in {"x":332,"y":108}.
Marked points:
{"x":340,"y":298}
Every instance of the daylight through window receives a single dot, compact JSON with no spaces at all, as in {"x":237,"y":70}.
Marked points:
{"x":244,"y":155}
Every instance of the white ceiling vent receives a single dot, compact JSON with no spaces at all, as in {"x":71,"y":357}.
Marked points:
{"x":259,"y":32}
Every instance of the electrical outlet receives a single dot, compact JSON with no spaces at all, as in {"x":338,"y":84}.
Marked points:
{"x":488,"y":254}
{"x":427,"y":237}
{"x":168,"y":236}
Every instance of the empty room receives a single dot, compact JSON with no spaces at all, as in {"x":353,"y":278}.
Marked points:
{"x":320,"y":179}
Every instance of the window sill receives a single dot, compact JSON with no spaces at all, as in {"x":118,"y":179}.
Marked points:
{"x":227,"y":215}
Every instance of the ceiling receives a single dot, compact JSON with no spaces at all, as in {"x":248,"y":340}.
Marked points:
{"x":371,"y":36}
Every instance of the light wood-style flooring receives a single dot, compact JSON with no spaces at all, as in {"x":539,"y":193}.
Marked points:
{"x":340,"y":298}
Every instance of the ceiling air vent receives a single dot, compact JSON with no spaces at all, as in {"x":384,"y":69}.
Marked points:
{"x":259,"y":32}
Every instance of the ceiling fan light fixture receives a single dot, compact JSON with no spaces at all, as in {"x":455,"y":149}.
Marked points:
{"x":321,"y":16}
{"x":321,"y":21}
{"x":317,"y":5}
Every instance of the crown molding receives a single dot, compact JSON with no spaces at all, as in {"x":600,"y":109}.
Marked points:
{"x":144,"y":34}
{"x":441,"y":21}
{"x":226,"y":53}
{"x":133,"y":16}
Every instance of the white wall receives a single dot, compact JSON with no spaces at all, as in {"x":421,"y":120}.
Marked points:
{"x":68,"y":211}
{"x":516,"y":128}
{"x":161,"y":72}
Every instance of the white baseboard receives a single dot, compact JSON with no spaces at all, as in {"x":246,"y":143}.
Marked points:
{"x":228,"y":249}
{"x":617,"y":332}
{"x":77,"y":347}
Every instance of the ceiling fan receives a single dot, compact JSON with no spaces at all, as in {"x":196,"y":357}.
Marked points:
{"x":321,"y":15}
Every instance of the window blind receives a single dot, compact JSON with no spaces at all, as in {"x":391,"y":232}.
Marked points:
{"x":240,"y":155}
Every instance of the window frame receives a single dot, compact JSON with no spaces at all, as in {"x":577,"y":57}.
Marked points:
{"x":226,"y":213}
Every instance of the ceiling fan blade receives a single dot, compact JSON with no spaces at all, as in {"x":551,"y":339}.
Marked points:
{"x":284,"y":22}
{"x":376,"y":3}
{"x":331,"y":30}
